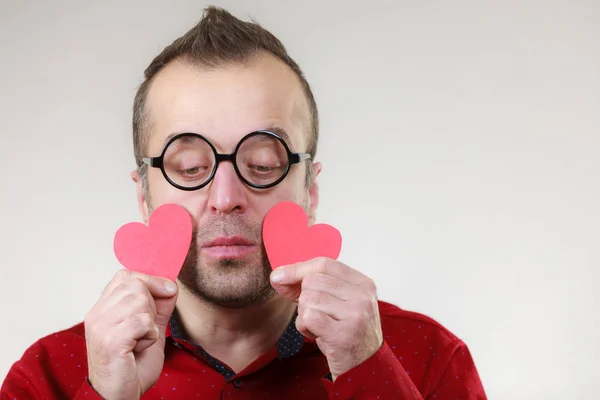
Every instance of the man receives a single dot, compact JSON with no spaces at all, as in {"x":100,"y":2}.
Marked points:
{"x":229,"y":328}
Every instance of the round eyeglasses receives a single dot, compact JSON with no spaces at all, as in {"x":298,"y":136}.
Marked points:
{"x":262,"y":159}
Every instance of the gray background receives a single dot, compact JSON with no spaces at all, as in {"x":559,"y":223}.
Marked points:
{"x":459,"y":142}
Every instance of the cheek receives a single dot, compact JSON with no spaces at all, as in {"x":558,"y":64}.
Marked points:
{"x":162,"y":192}
{"x":298,"y":181}
{"x":291,"y":189}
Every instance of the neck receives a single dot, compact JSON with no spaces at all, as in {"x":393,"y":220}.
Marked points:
{"x":236,"y":337}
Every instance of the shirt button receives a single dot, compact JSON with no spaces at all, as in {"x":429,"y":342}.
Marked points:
{"x":237,"y":383}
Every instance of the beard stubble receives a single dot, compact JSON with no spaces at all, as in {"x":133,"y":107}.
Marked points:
{"x":228,"y":282}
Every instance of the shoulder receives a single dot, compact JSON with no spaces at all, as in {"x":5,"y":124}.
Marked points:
{"x":424,"y":346}
{"x":73,"y":334}
{"x":54,"y":366}
{"x":413,"y":327}
{"x":429,"y":352}
{"x":59,"y":346}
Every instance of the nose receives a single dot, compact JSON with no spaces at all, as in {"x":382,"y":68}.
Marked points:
{"x":227,"y":193}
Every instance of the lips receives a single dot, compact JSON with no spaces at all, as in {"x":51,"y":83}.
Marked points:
{"x":229,"y":247}
{"x":229,"y":241}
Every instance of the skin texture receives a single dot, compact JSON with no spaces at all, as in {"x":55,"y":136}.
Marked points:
{"x":228,"y":306}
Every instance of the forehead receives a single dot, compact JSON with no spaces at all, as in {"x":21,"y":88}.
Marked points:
{"x":226,"y":103}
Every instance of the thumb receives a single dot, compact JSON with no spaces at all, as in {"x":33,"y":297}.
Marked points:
{"x":164,"y":309}
{"x":288,"y":288}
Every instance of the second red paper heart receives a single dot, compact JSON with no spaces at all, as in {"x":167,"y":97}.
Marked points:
{"x":288,"y":239}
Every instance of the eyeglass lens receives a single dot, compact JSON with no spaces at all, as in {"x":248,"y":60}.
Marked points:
{"x":261,"y":160}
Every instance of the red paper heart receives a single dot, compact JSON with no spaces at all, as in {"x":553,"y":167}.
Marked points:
{"x":288,"y":239}
{"x":157,"y":249}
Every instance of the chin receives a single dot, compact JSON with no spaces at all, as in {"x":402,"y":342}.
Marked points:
{"x":228,"y":282}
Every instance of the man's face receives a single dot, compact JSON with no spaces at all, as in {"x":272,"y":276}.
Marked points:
{"x":227,"y":264}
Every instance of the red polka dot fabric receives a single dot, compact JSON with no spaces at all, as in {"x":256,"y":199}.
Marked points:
{"x":420,"y":359}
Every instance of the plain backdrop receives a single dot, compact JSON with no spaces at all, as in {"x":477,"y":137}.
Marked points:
{"x":460,"y":145}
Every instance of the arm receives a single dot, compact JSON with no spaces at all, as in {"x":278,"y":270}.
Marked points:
{"x":380,"y":377}
{"x":338,"y":306}
{"x":119,"y":354}
{"x":383,"y":377}
{"x":460,"y":378}
{"x":32,"y":378}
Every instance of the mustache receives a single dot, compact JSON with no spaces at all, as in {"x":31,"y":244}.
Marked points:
{"x":227,"y":225}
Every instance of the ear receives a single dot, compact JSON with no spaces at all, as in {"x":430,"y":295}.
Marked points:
{"x":141,"y":199}
{"x":313,"y":194}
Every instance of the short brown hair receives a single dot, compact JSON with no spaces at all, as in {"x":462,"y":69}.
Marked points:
{"x":217,"y":39}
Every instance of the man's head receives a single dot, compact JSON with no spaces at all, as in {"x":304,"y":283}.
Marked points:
{"x":224,"y":79}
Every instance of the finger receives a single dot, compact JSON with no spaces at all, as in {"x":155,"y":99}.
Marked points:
{"x":331,"y":285}
{"x":295,"y":273}
{"x":290,"y":292}
{"x":301,"y":327}
{"x":164,"y":310}
{"x":135,"y":299}
{"x":313,"y":323}
{"x":159,"y":287}
{"x":125,"y":280}
{"x":124,"y":337}
{"x":323,"y":302}
{"x":322,"y":282}
{"x":130,"y":297}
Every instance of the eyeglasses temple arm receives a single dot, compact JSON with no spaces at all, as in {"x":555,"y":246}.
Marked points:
{"x":297,"y":157}
{"x":155,"y":162}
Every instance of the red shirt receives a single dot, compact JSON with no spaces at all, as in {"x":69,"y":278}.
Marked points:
{"x":419,"y":359}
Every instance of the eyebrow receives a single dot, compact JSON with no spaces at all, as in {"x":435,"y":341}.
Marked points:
{"x":276,"y":129}
{"x":169,"y":137}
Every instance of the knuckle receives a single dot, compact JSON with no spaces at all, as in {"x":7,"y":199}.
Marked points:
{"x":138,"y":302}
{"x":357,"y":315}
{"x":137,"y":286}
{"x":291,"y":273}
{"x":108,"y":342}
{"x":371,"y":285}
{"x":366,"y":300}
{"x":155,"y":281}
{"x":309,"y":281}
{"x":321,"y":281}
{"x":134,"y":289}
{"x":309,"y":316}
{"x":366,"y":306}
{"x":303,"y":299}
{"x":122,"y":275}
{"x":146,"y":320}
{"x":301,"y":311}
{"x":316,"y":265}
{"x":322,"y":264}
{"x":311,"y":297}
{"x":121,"y":287}
{"x":312,"y":318}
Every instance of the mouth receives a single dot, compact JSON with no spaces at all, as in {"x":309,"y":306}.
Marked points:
{"x":229,"y":247}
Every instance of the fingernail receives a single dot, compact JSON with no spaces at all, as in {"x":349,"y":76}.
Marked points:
{"x":170,"y":287}
{"x":277,"y":276}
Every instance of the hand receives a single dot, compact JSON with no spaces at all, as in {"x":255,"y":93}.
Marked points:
{"x":125,"y":334}
{"x":337,"y":306}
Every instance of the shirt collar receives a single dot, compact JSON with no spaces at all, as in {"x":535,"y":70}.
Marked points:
{"x":289,"y":344}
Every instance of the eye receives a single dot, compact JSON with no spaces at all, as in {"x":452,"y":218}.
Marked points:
{"x":191,"y":171}
{"x":262,"y":168}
